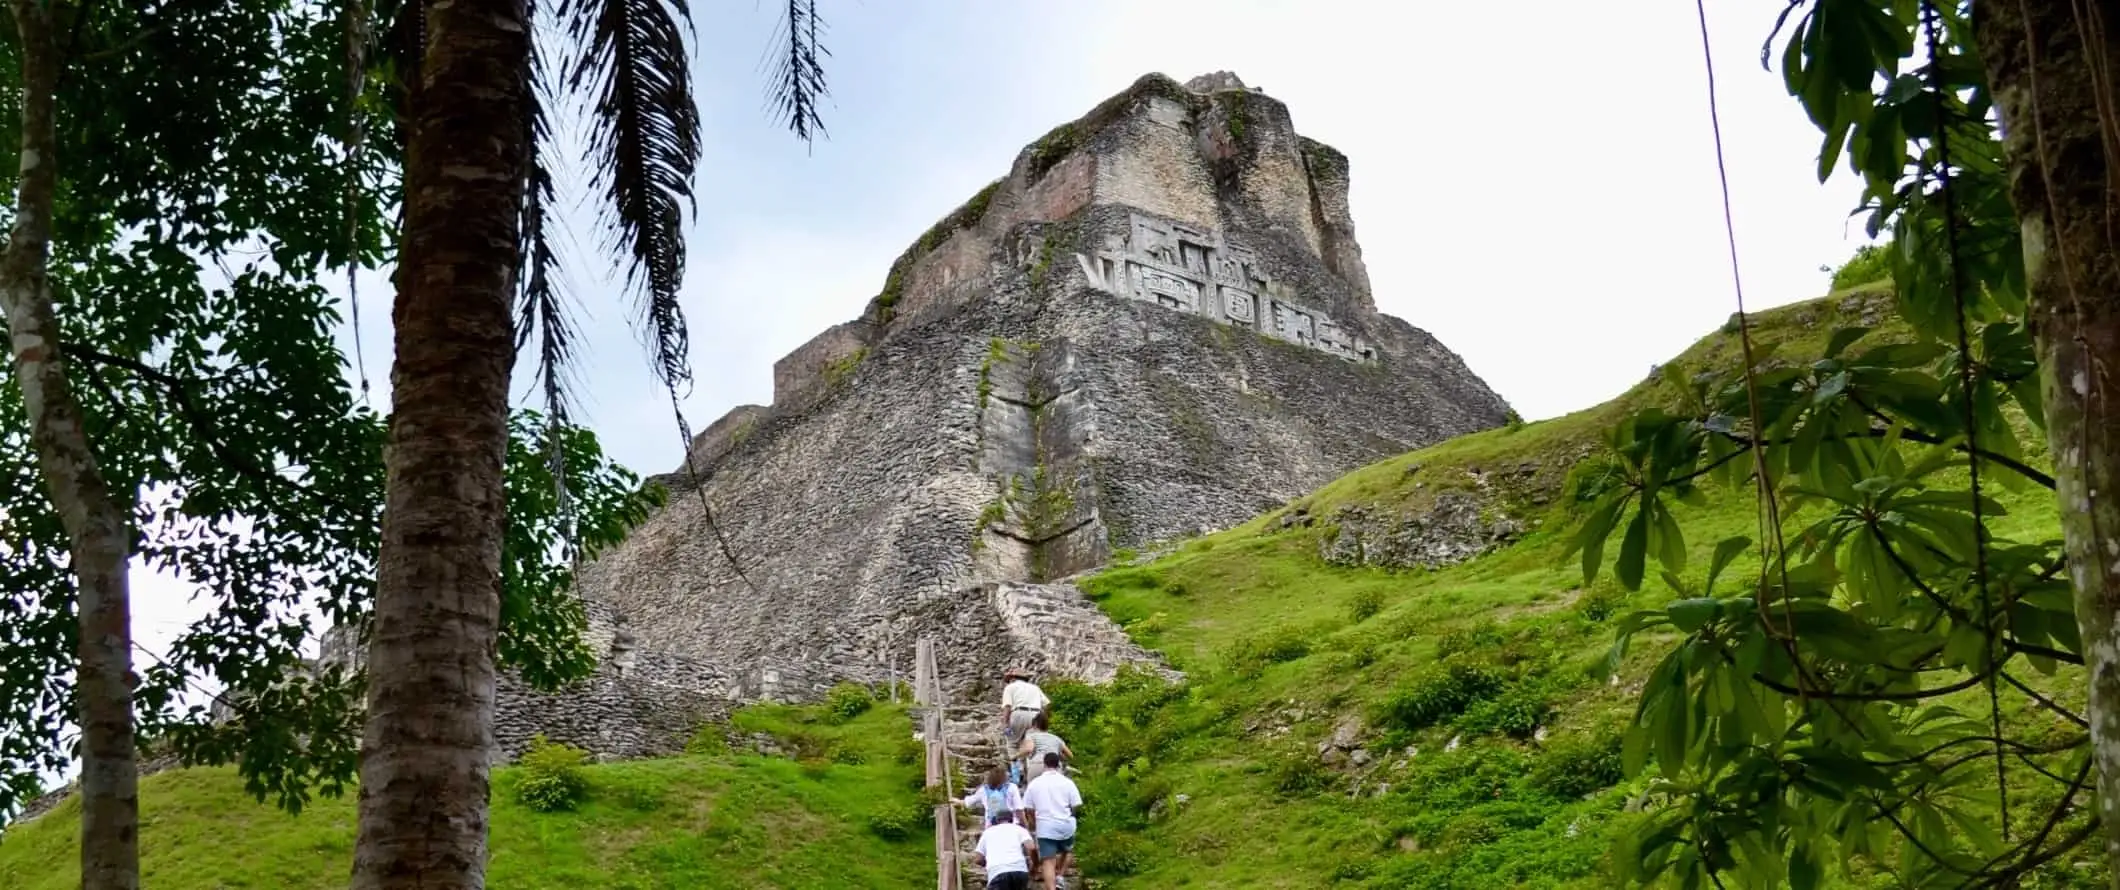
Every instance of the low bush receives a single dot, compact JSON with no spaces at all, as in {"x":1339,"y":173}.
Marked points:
{"x":1113,"y":855}
{"x":1250,"y":655}
{"x":847,"y":701}
{"x":1364,"y":604}
{"x":1517,"y":712}
{"x":1871,"y":263}
{"x":1575,"y":767}
{"x":552,"y":776}
{"x":1074,"y":703}
{"x":710,"y":740}
{"x":1296,"y":771}
{"x":898,"y":821}
{"x":1436,"y":696}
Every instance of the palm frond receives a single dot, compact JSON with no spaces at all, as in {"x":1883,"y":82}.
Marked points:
{"x":798,"y":81}
{"x":643,"y":153}
{"x":540,"y":305}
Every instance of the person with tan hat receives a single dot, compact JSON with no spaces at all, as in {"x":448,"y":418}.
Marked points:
{"x":1021,"y":700}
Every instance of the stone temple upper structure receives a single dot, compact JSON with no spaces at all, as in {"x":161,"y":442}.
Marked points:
{"x":1158,"y":323}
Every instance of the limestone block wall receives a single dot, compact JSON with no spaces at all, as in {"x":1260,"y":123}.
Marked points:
{"x":803,"y":374}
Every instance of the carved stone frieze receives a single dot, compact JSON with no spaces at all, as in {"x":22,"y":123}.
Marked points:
{"x":1195,"y":270}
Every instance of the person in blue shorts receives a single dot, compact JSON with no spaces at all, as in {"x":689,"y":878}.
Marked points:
{"x":1053,"y":802}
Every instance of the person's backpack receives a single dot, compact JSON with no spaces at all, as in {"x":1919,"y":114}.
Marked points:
{"x":996,"y":804}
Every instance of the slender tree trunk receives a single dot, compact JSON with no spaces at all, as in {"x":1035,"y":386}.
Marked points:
{"x":429,"y":737}
{"x":2054,"y":66}
{"x":97,"y":536}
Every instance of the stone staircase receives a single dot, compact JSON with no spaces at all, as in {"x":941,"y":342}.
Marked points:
{"x":1067,"y":632}
{"x":975,"y":745}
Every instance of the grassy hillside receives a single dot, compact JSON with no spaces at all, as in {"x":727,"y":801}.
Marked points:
{"x":1477,"y":725}
{"x":843,"y":812}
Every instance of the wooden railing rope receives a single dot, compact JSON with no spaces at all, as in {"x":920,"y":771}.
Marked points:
{"x":934,"y":728}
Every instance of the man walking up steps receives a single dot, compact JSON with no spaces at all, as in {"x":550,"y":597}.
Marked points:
{"x":1006,"y":851}
{"x":1053,"y":801}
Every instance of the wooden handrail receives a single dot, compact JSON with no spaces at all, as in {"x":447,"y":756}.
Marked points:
{"x":927,"y":692}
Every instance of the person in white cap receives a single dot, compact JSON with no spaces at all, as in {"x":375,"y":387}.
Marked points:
{"x":1021,"y":700}
{"x":1007,"y":852}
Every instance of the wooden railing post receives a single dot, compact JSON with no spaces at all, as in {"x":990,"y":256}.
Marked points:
{"x":927,"y":693}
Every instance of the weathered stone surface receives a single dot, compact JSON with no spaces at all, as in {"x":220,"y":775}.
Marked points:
{"x":1458,"y":526}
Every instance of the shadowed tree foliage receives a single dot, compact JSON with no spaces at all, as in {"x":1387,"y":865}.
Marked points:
{"x":1901,"y":689}
{"x":187,"y":204}
{"x":477,"y":84}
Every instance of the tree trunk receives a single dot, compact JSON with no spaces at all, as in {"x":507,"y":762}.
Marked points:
{"x":99,"y":541}
{"x":2054,"y":67}
{"x":429,"y":736}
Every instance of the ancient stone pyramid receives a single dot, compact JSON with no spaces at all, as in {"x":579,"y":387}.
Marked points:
{"x":1157,"y":324}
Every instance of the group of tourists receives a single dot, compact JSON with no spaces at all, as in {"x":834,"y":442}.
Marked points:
{"x":1030,"y":803}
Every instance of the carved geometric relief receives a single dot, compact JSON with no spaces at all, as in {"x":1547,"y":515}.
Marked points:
{"x":1180,"y":267}
{"x":1170,"y":290}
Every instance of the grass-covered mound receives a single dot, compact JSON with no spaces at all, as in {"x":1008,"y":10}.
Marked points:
{"x":843,"y":811}
{"x":1370,"y":727}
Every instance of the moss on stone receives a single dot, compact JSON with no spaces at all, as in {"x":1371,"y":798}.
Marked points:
{"x":838,"y":371}
{"x":967,"y":215}
{"x":1235,"y":107}
{"x":1063,"y":140}
{"x":1057,"y":241}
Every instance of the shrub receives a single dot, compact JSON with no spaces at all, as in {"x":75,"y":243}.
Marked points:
{"x":1573,"y":768}
{"x":1113,"y":855}
{"x":710,"y":739}
{"x":1517,"y":713}
{"x":1248,"y":656}
{"x":897,"y":821}
{"x":849,"y":755}
{"x":1871,"y":263}
{"x":552,"y":776}
{"x":1601,"y":602}
{"x":1074,"y":703}
{"x":1484,"y":635}
{"x":1297,"y":771}
{"x":847,"y":701}
{"x":1437,"y":696}
{"x":1471,"y":830}
{"x":1364,"y":604}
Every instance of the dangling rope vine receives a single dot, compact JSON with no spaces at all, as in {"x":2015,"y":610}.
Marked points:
{"x":1771,"y":542}
{"x":1932,"y":27}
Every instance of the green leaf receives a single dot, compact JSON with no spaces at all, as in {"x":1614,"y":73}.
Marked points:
{"x":1843,"y":337}
{"x":1725,"y":550}
{"x":1633,"y":551}
{"x":1690,"y":615}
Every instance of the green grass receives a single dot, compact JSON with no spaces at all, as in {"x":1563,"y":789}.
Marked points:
{"x":1280,"y":647}
{"x":698,"y":821}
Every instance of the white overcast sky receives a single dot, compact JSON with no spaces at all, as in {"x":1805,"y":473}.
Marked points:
{"x":1533,"y":182}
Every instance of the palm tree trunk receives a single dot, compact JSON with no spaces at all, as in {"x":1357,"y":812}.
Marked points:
{"x":429,"y":736}
{"x":2054,"y":68}
{"x":98,"y":539}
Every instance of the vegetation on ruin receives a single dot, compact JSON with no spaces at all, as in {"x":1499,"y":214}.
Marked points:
{"x":816,"y":817}
{"x":840,"y":370}
{"x":967,"y":215}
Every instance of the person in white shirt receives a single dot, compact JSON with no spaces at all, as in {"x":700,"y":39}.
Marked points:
{"x":1006,"y":852}
{"x":1021,"y":700}
{"x":1053,"y":802}
{"x":998,"y":796}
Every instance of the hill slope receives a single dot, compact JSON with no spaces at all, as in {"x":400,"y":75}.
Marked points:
{"x":1356,"y":716}
{"x":842,"y":811}
{"x":1395,"y":681}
